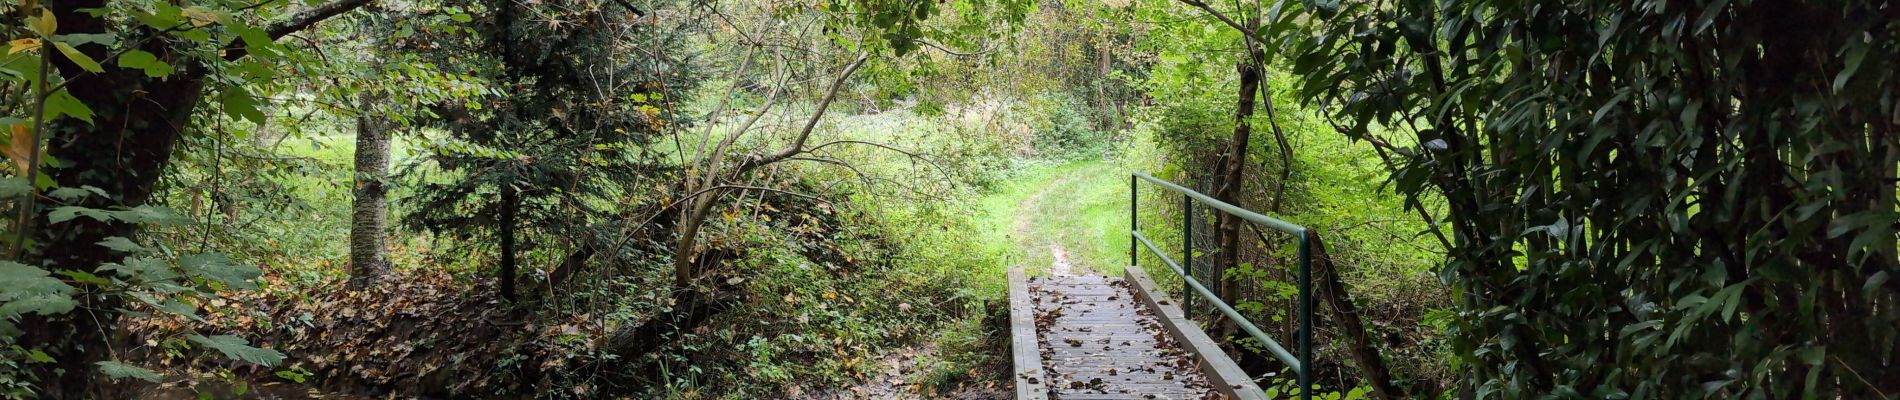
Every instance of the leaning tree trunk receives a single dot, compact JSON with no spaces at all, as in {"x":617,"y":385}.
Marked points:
{"x":370,"y":210}
{"x":1332,"y":290}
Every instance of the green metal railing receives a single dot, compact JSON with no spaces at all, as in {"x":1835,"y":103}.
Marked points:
{"x":1299,"y":363}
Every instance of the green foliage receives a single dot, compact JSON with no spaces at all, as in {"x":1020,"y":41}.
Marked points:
{"x":239,"y":349}
{"x":1325,"y":182}
{"x":569,"y":139}
{"x":30,"y":290}
{"x":1647,"y":200}
{"x":120,"y":370}
{"x":1063,"y":126}
{"x":899,"y":25}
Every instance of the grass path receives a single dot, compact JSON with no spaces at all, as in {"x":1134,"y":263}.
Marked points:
{"x":1062,"y":219}
{"x":1068,"y":218}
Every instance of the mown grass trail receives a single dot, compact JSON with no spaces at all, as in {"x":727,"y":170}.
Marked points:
{"x":1068,"y":218}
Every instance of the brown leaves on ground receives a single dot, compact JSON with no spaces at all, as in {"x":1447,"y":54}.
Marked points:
{"x":415,"y":333}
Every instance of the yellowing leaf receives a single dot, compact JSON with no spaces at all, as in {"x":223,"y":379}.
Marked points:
{"x":18,"y":45}
{"x":85,"y":62}
{"x":21,"y":147}
{"x":47,"y":24}
{"x":200,"y":16}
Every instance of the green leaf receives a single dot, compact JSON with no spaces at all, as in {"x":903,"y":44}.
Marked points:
{"x":12,"y":187}
{"x":88,"y":38}
{"x":68,"y":194}
{"x":142,"y":270}
{"x":46,"y":24}
{"x":170,"y":305}
{"x":219,"y":268}
{"x":1874,"y":281}
{"x":31,"y":289}
{"x":238,"y":103}
{"x":120,"y":370}
{"x":84,"y":277}
{"x":148,"y":214}
{"x":67,"y":213}
{"x":39,"y":357}
{"x":461,"y":17}
{"x":122,"y":245}
{"x":1856,"y":52}
{"x":239,"y":349}
{"x":84,"y":61}
{"x":62,"y":102}
{"x":141,"y":60}
{"x":167,"y":17}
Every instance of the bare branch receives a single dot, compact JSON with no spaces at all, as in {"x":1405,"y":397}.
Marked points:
{"x":770,"y":99}
{"x":297,"y":22}
{"x":947,"y":50}
{"x":1249,"y":33}
{"x":798,"y":144}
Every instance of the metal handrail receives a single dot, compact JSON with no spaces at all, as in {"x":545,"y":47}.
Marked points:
{"x":1299,"y":363}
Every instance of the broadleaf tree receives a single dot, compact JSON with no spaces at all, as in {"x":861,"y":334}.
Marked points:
{"x":115,"y":87}
{"x":1647,"y":199}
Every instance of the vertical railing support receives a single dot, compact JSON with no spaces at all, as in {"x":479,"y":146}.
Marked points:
{"x":1306,"y":314}
{"x":1187,"y":254}
{"x":1302,"y":363}
{"x":1133,"y":226}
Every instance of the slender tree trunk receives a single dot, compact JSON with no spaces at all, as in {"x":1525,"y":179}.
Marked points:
{"x":1228,"y":188}
{"x":507,"y":273}
{"x":1279,"y":137}
{"x":369,"y":213}
{"x":686,"y":235}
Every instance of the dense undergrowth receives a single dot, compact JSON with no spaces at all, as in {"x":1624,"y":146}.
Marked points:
{"x":735,"y":199}
{"x":834,"y":284}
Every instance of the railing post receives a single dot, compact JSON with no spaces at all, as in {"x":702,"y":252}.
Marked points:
{"x":1133,"y":209}
{"x":1306,"y":314}
{"x":1187,"y":250}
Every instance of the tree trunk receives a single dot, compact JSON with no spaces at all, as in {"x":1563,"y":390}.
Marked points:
{"x":123,"y":151}
{"x":369,"y":213}
{"x":686,"y":237}
{"x":507,"y":273}
{"x":1365,"y":355}
{"x":1228,"y":189}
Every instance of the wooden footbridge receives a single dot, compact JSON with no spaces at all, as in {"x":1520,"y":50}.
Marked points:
{"x":1099,"y":337}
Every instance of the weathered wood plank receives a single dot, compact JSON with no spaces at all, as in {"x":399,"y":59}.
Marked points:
{"x":1099,"y":343}
{"x":1221,"y":371}
{"x":1025,"y":349}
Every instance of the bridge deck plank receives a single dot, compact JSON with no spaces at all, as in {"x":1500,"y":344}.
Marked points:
{"x":1098,"y":341}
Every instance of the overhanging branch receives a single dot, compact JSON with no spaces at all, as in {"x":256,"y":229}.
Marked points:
{"x":311,"y":16}
{"x":297,"y":22}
